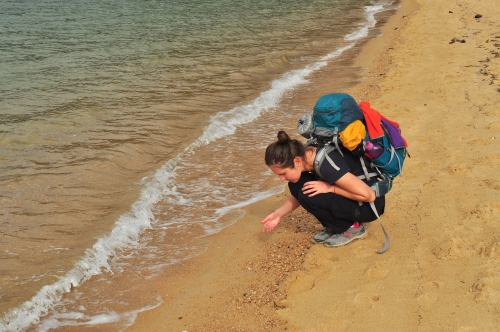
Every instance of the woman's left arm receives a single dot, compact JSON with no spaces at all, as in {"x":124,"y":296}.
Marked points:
{"x":352,"y":187}
{"x":348,"y":186}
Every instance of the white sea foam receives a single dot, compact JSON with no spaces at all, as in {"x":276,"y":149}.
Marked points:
{"x":128,"y":228}
{"x":256,"y":198}
{"x":59,"y":320}
{"x":370,"y":22}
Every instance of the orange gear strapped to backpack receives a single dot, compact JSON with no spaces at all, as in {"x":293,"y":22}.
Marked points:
{"x":353,"y":135}
{"x":373,"y":119}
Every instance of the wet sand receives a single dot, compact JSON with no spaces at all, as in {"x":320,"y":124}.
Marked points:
{"x":442,"y":271}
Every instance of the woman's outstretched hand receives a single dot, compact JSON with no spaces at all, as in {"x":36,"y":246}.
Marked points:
{"x":270,"y":222}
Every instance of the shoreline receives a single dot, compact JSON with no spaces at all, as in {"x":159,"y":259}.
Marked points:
{"x":204,"y":300}
{"x":440,"y":272}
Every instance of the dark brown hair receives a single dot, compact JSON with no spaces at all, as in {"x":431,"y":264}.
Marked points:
{"x":284,"y":151}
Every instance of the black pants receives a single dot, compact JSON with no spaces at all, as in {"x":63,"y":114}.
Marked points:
{"x":335,"y":211}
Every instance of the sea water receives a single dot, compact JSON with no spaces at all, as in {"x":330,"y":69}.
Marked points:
{"x":132,"y":130}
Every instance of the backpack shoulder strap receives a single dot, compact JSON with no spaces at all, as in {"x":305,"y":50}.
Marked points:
{"x":367,"y":175}
{"x":321,"y":155}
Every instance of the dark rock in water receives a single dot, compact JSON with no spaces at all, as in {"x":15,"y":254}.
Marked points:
{"x":478,"y":16}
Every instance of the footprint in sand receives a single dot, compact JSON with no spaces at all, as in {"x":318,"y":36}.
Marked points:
{"x":456,"y":248}
{"x":433,"y":285}
{"x":471,"y":240}
{"x":427,"y":300}
{"x":378,"y":271}
{"x":366,"y":301}
{"x":467,"y":329}
{"x":492,"y":183}
{"x":491,"y":249}
{"x":487,"y":290}
{"x":429,"y":296}
{"x":459,"y":169}
{"x":301,"y":283}
{"x":483,"y":141}
{"x":488,"y":161}
{"x":493,"y":125}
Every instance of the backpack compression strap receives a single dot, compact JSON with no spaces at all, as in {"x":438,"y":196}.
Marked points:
{"x":336,"y":140}
{"x":387,"y":240}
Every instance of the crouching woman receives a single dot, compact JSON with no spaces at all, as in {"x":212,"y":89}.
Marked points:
{"x":340,"y":202}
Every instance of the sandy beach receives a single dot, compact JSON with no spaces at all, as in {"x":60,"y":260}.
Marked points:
{"x":434,"y":69}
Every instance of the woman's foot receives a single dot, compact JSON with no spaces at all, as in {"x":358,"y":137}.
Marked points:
{"x":323,"y":235}
{"x":356,"y":231}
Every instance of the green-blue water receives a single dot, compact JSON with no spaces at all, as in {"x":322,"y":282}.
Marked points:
{"x":117,"y":122}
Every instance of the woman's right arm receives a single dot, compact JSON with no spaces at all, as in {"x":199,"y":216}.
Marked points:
{"x":272,"y":220}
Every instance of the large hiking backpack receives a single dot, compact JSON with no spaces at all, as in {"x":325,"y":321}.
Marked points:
{"x":337,"y":120}
{"x":333,"y":113}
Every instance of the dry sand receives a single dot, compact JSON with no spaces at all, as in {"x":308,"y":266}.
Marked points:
{"x":442,"y":271}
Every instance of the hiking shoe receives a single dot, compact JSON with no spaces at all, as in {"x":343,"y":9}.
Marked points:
{"x":323,"y":235}
{"x":353,"y":233}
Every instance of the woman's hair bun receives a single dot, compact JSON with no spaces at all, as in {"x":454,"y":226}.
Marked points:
{"x":284,"y":151}
{"x":283,"y":137}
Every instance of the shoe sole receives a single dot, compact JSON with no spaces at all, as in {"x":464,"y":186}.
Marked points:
{"x":317,"y":242}
{"x":365,"y":233}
